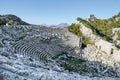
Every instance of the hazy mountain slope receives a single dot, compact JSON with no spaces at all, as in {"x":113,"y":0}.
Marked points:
{"x":11,"y":19}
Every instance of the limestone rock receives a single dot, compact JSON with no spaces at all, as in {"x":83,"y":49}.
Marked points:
{"x":91,"y":18}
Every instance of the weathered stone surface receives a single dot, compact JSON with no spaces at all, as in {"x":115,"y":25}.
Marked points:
{"x":105,"y":46}
{"x":88,"y":32}
{"x":91,"y":18}
{"x":116,"y":55}
{"x":114,"y":33}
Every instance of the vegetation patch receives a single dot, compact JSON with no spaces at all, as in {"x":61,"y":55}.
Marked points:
{"x":118,"y":35}
{"x":76,"y":30}
{"x":74,"y":64}
{"x":103,"y":27}
{"x":77,"y":65}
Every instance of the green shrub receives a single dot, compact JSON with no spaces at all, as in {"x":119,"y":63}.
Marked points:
{"x":1,"y":22}
{"x":87,"y":41}
{"x":118,"y":35}
{"x":77,"y":65}
{"x":75,"y":29}
{"x":10,"y":22}
{"x":86,"y":23}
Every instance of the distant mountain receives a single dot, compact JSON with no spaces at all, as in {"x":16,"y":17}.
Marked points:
{"x":11,"y":19}
{"x":61,"y":25}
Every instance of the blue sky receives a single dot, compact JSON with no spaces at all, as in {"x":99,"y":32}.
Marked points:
{"x":58,"y":11}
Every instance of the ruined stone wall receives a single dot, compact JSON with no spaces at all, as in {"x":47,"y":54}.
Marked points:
{"x":105,"y":46}
{"x":102,"y":45}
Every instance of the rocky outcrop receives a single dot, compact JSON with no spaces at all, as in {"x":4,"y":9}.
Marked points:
{"x":88,"y":32}
{"x":91,"y":18}
{"x":101,"y":44}
{"x":115,"y":32}
{"x":106,"y":64}
{"x":92,"y":53}
{"x":105,"y":46}
{"x":116,"y":55}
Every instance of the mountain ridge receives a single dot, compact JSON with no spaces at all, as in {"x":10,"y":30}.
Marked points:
{"x":10,"y":19}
